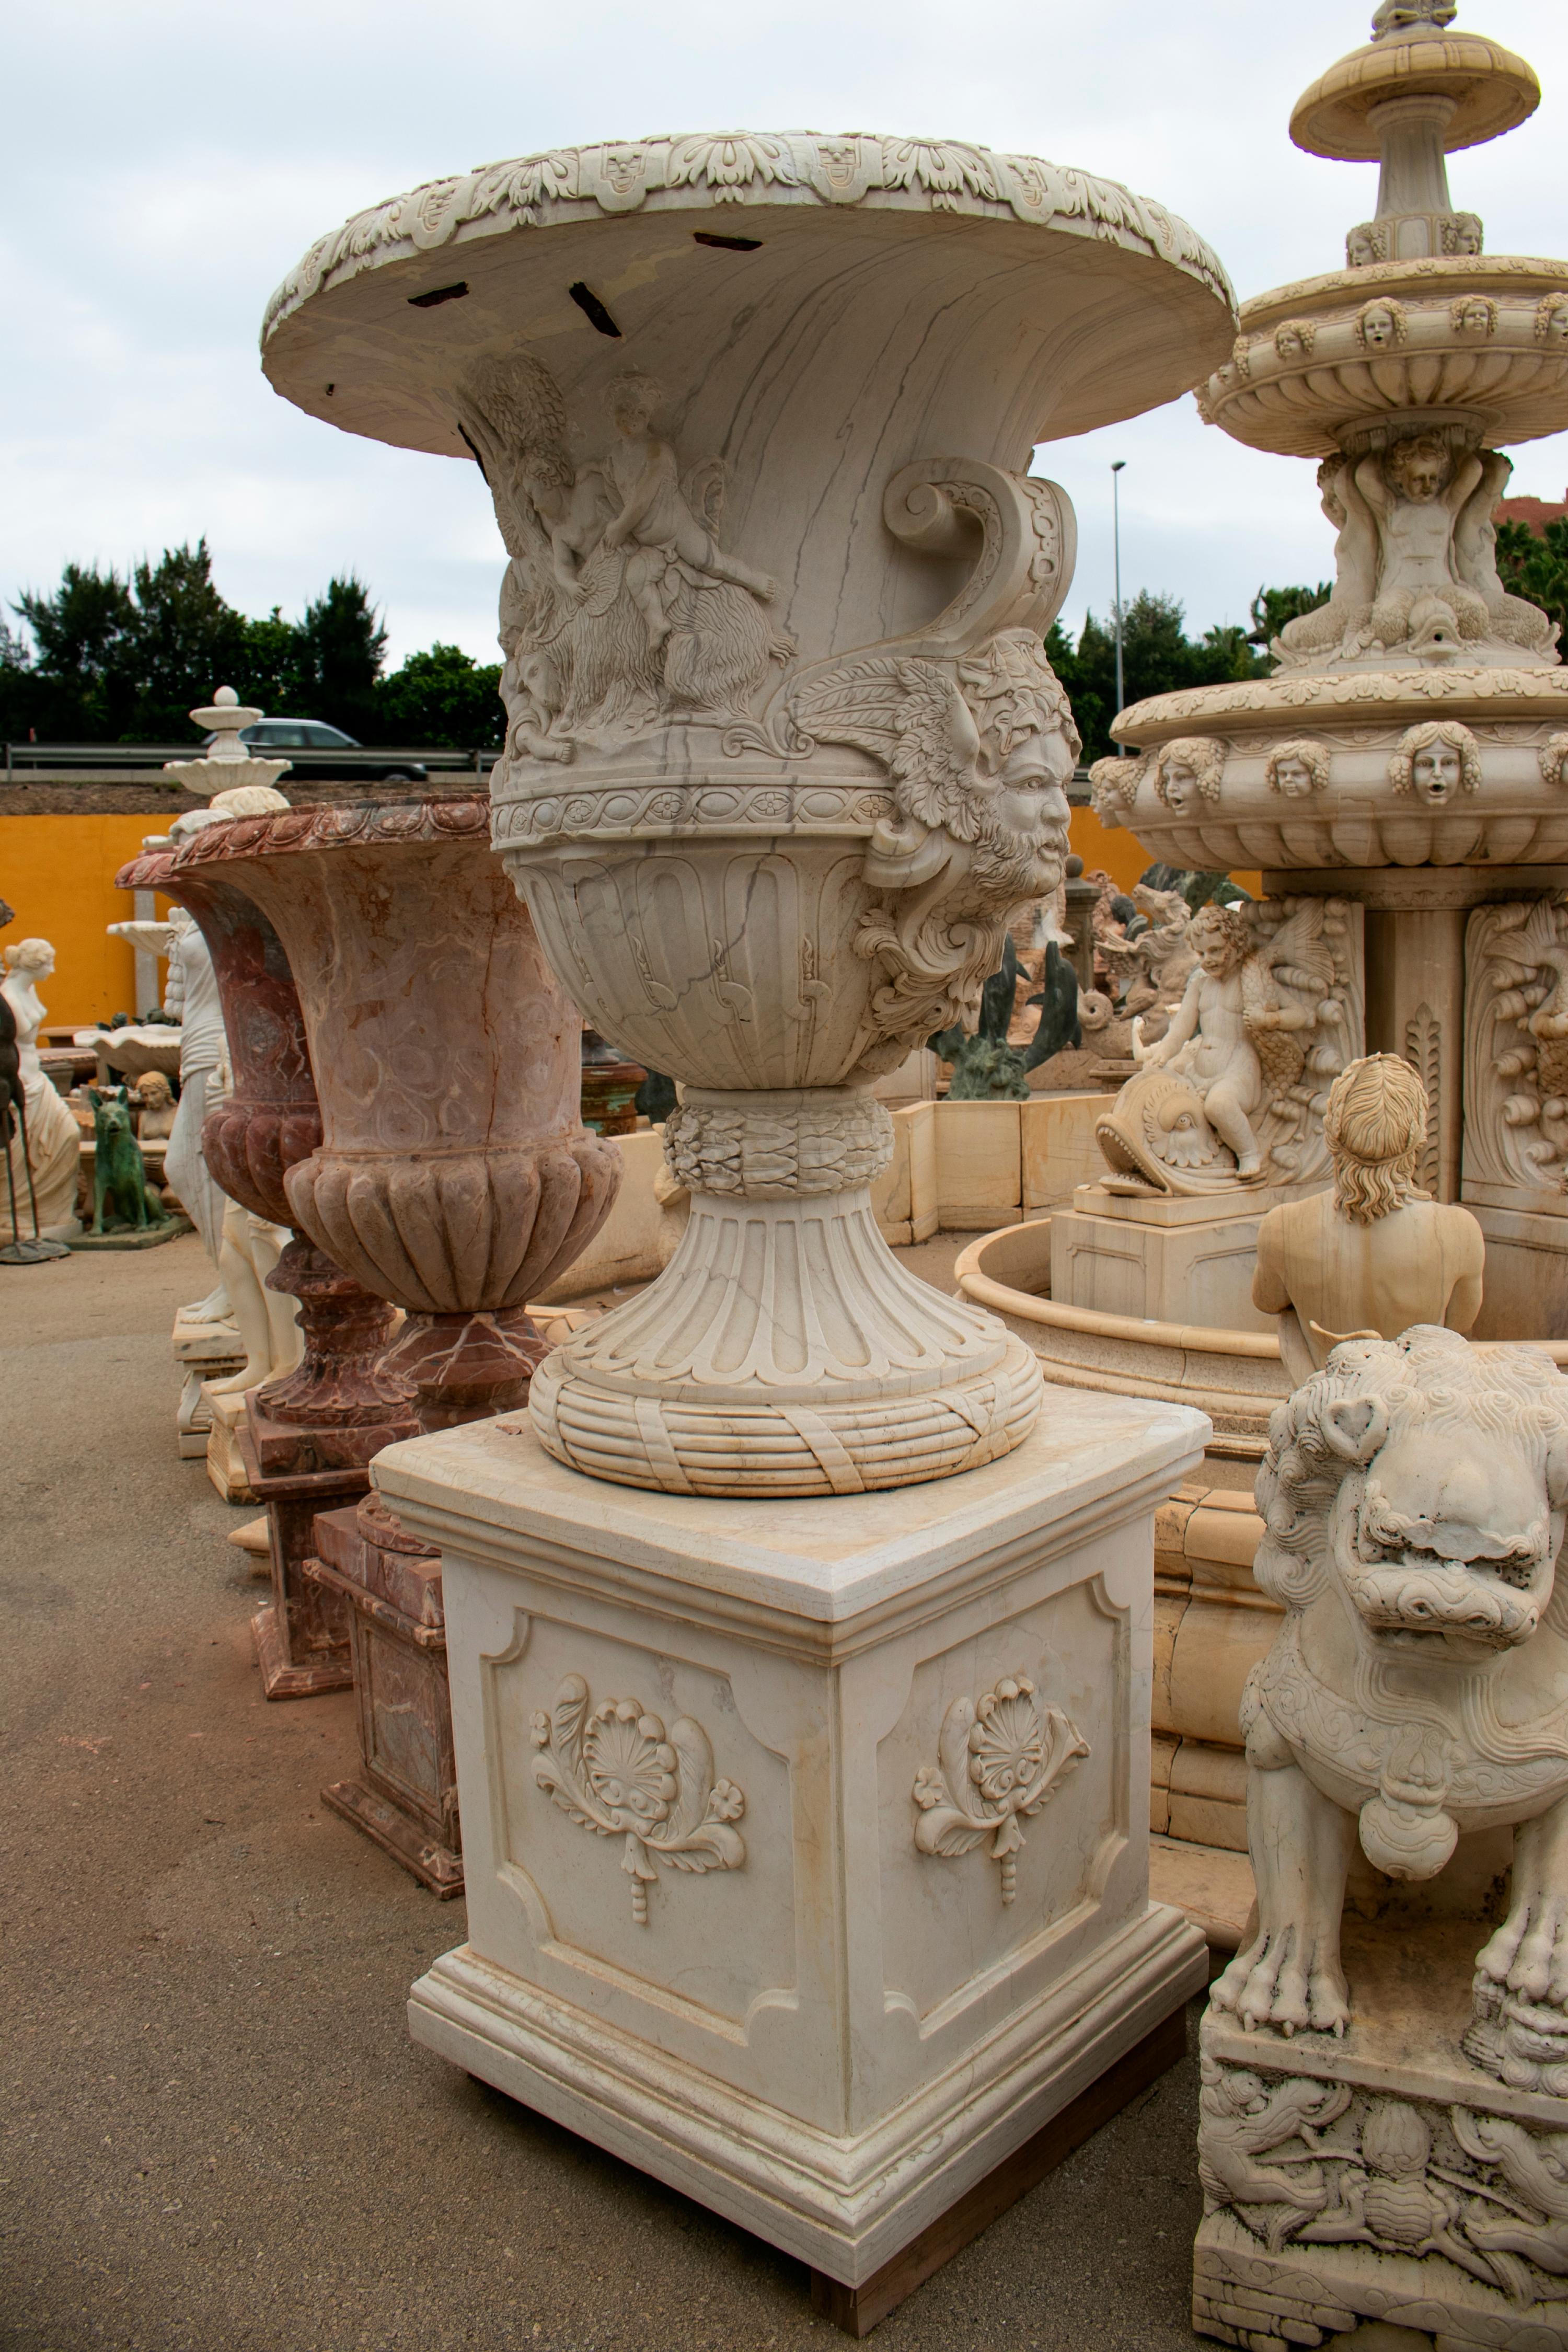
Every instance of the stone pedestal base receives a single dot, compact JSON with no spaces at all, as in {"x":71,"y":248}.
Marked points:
{"x":226,"y":1466}
{"x":405,"y":1798}
{"x":807,"y":1843}
{"x":204,"y":1351}
{"x":1163,"y":1257}
{"x":302,"y":1638}
{"x":1382,"y":2176}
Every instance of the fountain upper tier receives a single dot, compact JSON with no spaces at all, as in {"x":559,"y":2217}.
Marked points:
{"x":1420,"y":331}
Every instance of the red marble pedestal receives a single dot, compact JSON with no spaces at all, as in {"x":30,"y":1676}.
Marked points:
{"x":406,"y":1793}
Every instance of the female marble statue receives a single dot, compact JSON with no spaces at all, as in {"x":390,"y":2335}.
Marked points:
{"x":1377,"y":1255}
{"x":54,"y":1144}
{"x":249,"y":1248}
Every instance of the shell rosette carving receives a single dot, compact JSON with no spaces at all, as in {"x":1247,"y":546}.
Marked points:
{"x":613,"y":1769}
{"x":1003,"y":1758}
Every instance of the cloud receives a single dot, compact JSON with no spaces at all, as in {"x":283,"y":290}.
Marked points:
{"x":171,"y":160}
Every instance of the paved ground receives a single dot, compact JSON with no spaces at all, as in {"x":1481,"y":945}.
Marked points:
{"x":217,"y":2135}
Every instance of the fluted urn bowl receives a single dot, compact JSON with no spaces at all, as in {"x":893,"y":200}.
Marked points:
{"x":784,"y":750}
{"x":452,"y":1175}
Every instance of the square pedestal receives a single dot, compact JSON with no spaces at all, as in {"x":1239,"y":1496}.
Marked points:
{"x":1164,"y":1257}
{"x":1390,"y":2177}
{"x":807,"y":1842}
{"x":302,"y":1638}
{"x":405,"y":1795}
{"x":204,"y":1351}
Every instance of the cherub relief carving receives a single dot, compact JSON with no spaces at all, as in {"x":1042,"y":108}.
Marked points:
{"x":1113,"y":788}
{"x":1516,"y":1043}
{"x":620,"y":611}
{"x":1355,"y":570}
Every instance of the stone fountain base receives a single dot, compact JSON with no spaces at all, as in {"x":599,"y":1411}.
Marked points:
{"x":759,"y":1893}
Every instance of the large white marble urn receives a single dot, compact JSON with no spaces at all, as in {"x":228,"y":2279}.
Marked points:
{"x":783,"y":749}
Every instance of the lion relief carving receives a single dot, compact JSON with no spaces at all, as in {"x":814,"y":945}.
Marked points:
{"x":1413,"y":1499}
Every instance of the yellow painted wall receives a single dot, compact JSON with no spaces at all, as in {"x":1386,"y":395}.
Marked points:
{"x":1122,"y":855}
{"x":58,"y":874}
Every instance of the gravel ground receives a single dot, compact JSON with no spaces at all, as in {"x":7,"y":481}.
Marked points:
{"x":217,"y":2135}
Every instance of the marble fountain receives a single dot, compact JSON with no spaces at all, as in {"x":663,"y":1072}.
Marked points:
{"x":1400,"y":781}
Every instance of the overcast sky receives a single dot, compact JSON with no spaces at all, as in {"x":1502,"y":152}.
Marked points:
{"x":169,"y":159}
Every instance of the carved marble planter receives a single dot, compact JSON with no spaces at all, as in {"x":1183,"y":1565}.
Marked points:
{"x":452,"y":1175}
{"x":806,"y":1845}
{"x":784,"y":750}
{"x":308,"y":1436}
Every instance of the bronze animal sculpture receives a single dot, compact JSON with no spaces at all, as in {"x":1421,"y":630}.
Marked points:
{"x":119,"y":1172}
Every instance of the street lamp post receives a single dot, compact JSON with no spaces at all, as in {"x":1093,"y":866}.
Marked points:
{"x":1115,"y":466}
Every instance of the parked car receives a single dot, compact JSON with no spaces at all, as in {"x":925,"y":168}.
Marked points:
{"x":326,"y":754}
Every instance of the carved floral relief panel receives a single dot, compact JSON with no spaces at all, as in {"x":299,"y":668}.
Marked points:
{"x":997,"y":1793}
{"x":644,"y":1827}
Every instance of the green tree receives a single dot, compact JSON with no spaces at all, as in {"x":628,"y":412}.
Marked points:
{"x":185,"y":641}
{"x":1157,"y":657}
{"x":443,"y":696}
{"x":80,"y":683}
{"x":1273,"y":607}
{"x":342,"y":646}
{"x":1536,"y":569}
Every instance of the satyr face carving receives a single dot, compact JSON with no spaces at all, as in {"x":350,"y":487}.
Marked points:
{"x":1294,"y":777}
{"x":1294,"y":340}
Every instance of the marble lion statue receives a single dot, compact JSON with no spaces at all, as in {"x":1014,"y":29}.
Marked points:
{"x":1413,"y":1498}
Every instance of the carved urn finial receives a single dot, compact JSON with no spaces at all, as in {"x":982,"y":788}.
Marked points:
{"x":1400,"y":19}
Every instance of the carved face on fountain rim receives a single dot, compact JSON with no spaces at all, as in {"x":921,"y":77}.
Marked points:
{"x":1299,"y":769}
{"x":1437,"y":761}
{"x":1187,"y":771}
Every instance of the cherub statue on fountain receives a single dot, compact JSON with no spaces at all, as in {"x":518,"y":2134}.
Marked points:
{"x":1228,"y":1093}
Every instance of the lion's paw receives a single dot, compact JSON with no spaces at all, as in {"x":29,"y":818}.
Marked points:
{"x":1289,"y":1980}
{"x":1528,"y":1953}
